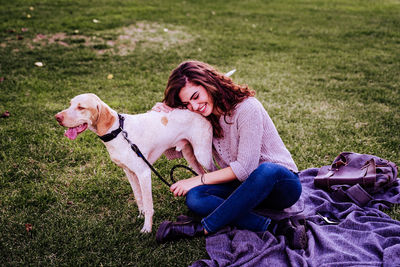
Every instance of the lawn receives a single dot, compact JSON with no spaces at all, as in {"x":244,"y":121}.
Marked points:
{"x":328,"y":73}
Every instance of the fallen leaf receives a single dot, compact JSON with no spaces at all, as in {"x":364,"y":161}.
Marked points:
{"x":6,"y":114}
{"x":19,"y":37}
{"x":28,"y":227}
{"x":110,"y":76}
{"x":39,"y":64}
{"x":95,"y":21}
{"x":24,"y":29}
{"x":29,"y":16}
{"x":31,"y":8}
{"x":2,"y":79}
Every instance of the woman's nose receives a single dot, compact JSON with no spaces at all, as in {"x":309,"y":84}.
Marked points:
{"x":194,"y":105}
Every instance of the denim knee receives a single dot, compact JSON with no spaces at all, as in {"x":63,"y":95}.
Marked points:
{"x":266,"y":169}
{"x":271,"y":170}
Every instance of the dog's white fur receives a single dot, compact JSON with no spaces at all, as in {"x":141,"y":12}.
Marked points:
{"x":153,"y":132}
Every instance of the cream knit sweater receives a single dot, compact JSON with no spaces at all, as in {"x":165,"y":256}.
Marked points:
{"x":250,"y":138}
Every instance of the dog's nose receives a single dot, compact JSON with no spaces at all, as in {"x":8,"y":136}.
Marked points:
{"x":59,"y":118}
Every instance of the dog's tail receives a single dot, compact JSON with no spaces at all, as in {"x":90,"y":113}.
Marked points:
{"x":230,"y":73}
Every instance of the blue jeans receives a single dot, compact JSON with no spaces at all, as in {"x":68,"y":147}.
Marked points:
{"x":270,"y":186}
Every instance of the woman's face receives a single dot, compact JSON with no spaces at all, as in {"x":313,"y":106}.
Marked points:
{"x":196,"y":99}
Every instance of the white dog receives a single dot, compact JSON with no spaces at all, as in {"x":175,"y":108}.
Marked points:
{"x":153,"y":132}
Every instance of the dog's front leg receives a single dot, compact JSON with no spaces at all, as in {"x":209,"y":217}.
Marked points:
{"x":137,"y":192}
{"x":188,"y":154}
{"x":145,"y":185}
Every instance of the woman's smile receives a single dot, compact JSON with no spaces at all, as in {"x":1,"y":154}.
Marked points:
{"x":202,"y":109}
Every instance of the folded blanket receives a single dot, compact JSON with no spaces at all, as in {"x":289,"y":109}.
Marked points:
{"x":364,"y":236}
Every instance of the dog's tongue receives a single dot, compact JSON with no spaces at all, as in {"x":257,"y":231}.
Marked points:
{"x":71,"y":133}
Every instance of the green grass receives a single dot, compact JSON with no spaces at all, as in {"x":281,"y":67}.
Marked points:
{"x":326,"y":71}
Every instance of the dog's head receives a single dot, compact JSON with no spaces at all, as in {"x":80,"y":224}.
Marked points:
{"x":85,"y":111}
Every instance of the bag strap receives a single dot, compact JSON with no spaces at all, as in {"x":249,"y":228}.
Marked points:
{"x":355,"y":193}
{"x":359,"y":195}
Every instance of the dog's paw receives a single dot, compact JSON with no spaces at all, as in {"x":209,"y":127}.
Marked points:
{"x":146,"y":229}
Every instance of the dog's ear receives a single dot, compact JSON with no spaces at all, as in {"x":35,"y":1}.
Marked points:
{"x":104,"y":120}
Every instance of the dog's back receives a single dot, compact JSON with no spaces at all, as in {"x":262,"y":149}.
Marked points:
{"x":165,"y":128}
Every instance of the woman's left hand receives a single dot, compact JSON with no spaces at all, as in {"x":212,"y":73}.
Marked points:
{"x":181,"y":187}
{"x":162,"y":107}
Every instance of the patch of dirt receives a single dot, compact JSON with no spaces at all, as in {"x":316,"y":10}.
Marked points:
{"x":121,"y":41}
{"x":148,"y":35}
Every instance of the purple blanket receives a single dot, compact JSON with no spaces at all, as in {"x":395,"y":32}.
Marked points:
{"x":364,"y":237}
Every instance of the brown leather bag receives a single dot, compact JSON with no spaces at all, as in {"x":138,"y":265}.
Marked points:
{"x":360,"y":174}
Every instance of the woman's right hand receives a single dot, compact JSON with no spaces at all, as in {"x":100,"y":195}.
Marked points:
{"x":161,"y":107}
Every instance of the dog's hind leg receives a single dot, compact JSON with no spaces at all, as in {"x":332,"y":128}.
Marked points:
{"x":145,"y":186}
{"x":137,"y":192}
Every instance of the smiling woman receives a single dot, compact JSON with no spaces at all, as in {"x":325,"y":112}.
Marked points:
{"x":256,"y":168}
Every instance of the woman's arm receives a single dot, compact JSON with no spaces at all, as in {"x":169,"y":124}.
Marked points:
{"x":181,"y":187}
{"x":248,"y":120}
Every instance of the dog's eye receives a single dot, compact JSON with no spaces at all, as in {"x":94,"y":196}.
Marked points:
{"x":80,"y":108}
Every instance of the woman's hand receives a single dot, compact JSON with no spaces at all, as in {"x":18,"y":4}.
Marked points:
{"x":161,"y":107}
{"x":181,"y":187}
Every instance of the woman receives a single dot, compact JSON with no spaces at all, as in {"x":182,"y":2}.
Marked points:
{"x":256,"y":168}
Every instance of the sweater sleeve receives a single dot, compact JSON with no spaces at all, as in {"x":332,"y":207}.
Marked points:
{"x":249,"y":121}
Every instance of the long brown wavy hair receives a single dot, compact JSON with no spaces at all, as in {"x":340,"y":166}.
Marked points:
{"x":224,"y":93}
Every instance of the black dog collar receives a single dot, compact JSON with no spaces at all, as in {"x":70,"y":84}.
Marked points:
{"x":110,"y":136}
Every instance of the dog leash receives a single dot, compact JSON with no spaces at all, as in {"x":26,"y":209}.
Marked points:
{"x":110,"y":136}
